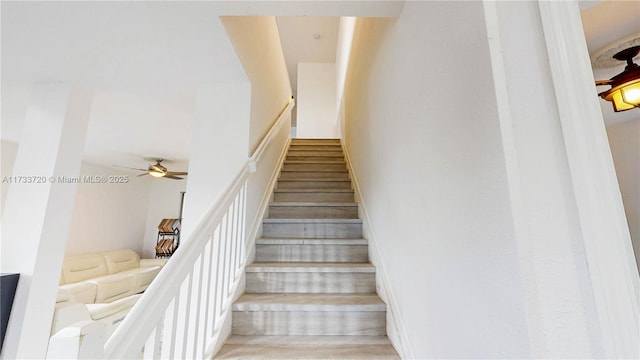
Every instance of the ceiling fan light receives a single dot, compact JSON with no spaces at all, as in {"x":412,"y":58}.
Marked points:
{"x":631,"y":93}
{"x":156,"y":173}
{"x":618,"y":102}
{"x":625,"y":87}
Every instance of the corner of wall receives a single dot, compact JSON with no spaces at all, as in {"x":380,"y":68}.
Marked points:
{"x":396,"y":330}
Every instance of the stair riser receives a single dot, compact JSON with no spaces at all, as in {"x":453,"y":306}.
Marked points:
{"x":337,"y":159}
{"x":314,"y":282}
{"x":316,"y":147}
{"x":314,"y":175}
{"x":313,"y":197}
{"x":309,"y":323}
{"x":315,"y":141}
{"x":292,"y":184}
{"x":312,"y":153}
{"x":312,"y":253}
{"x":297,"y":230}
{"x":313,"y":212}
{"x":315,"y":167}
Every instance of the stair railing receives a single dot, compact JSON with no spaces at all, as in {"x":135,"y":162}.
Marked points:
{"x":182,"y":312}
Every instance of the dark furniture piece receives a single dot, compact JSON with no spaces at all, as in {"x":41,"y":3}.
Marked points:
{"x":8,"y":286}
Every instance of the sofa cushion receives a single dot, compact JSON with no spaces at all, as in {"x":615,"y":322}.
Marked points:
{"x":153,"y":262}
{"x":113,"y":287}
{"x":84,"y":291}
{"x":100,"y":311}
{"x":121,"y":260}
{"x":83,"y":267}
{"x":144,"y":276}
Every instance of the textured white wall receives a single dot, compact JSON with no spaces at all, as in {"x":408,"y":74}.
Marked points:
{"x":108,"y":216}
{"x":426,"y":147}
{"x":624,"y":139}
{"x":562,"y":321}
{"x":8,"y":153}
{"x":317,"y":103}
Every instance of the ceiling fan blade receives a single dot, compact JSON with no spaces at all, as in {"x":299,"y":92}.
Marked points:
{"x":130,"y":168}
{"x":172,"y":177}
{"x":176,"y":173}
{"x":603,"y":82}
{"x":146,"y":173}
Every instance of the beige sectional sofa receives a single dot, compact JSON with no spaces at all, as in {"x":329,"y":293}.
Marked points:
{"x":102,"y":287}
{"x":108,"y":276}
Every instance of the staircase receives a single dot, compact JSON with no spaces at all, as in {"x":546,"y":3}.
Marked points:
{"x":311,"y":292}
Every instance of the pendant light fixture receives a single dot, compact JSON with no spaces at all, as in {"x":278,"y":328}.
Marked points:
{"x":625,"y":87}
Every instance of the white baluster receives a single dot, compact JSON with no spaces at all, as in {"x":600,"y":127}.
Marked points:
{"x":183,"y":316}
{"x":194,"y":310}
{"x":152,"y":346}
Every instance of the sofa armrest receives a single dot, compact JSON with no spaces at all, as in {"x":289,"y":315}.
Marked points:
{"x":101,"y":311}
{"x":67,"y":313}
{"x":111,"y":314}
{"x":153,"y":262}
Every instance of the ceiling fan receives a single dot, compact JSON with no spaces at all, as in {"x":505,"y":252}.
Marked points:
{"x":157,"y":170}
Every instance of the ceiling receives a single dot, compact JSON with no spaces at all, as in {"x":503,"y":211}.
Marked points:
{"x":307,"y":39}
{"x":145,"y":60}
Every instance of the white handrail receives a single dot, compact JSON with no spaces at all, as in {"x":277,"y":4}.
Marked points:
{"x":223,"y":222}
{"x":257,"y":154}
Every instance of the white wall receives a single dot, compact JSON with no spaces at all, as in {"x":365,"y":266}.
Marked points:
{"x":8,"y":152}
{"x":257,"y":43}
{"x":113,"y":215}
{"x":164,"y":203}
{"x":108,"y":216}
{"x":562,"y":320}
{"x":343,"y":52}
{"x":218,"y":148}
{"x":317,"y":102}
{"x":433,"y":182}
{"x":37,"y":213}
{"x":624,"y":140}
{"x":465,"y":183}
